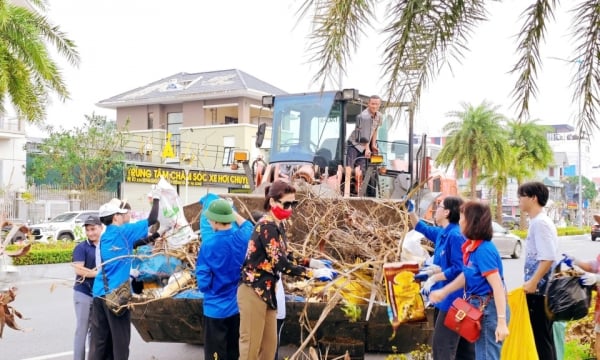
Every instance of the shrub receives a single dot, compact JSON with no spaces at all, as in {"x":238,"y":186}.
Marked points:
{"x":563,"y":231}
{"x":60,"y":252}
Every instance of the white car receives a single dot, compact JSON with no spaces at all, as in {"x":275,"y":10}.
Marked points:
{"x":508,"y":244}
{"x":66,"y":227}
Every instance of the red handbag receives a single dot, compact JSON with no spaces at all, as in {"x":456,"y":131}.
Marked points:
{"x":465,"y":319}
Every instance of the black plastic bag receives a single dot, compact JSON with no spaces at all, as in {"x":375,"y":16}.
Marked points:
{"x":566,"y":299}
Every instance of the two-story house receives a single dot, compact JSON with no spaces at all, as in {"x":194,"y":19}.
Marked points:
{"x":189,"y":125}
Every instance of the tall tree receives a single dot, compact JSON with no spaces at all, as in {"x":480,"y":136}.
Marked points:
{"x":476,"y":140}
{"x":28,"y":74}
{"x":84,"y":157}
{"x":422,"y":35}
{"x":532,"y":151}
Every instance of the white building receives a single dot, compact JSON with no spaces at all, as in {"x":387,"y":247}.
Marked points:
{"x":12,"y":154}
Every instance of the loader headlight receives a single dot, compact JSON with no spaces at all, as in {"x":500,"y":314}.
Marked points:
{"x":240,"y":155}
{"x":376,"y":159}
{"x":268,"y":101}
{"x":350,"y":94}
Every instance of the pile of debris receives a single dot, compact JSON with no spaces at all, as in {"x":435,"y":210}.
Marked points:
{"x":357,"y":235}
{"x":9,"y":273}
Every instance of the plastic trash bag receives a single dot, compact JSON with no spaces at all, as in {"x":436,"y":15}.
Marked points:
{"x":156,"y":267}
{"x":404,"y":300}
{"x":519,"y":344}
{"x":566,"y":299}
{"x":412,"y":249}
{"x":171,"y":217}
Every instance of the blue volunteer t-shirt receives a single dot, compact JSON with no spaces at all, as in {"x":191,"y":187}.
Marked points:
{"x":115,"y":242}
{"x":447,"y":255}
{"x":483,"y":261}
{"x":218,"y":269}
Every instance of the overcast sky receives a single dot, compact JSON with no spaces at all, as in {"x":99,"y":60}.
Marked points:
{"x":125,"y":44}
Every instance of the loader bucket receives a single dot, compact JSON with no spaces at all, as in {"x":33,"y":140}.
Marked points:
{"x":319,"y":223}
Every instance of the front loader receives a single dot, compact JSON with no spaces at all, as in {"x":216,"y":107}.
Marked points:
{"x":334,"y":220}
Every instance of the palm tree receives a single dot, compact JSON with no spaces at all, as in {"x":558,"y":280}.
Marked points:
{"x":532,"y":151}
{"x":497,"y":179}
{"x":422,"y":35}
{"x":475,"y":141}
{"x":28,"y":74}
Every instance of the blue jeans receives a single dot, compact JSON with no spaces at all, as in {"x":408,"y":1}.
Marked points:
{"x":486,"y":348}
{"x":83,"y":307}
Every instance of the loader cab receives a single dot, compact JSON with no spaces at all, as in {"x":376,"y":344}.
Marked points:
{"x":311,"y":128}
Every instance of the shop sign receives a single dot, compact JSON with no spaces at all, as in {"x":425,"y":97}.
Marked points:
{"x":151,"y":175}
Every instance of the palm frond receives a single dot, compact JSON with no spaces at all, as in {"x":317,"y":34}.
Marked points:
{"x":587,"y":80}
{"x":530,"y":36}
{"x":338,"y":25}
{"x":421,"y":35}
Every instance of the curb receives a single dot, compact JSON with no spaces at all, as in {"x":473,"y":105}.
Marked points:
{"x":63,"y":271}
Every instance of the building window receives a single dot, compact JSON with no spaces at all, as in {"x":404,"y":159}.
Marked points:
{"x":231,"y":120}
{"x":150,"y":120}
{"x":174,"y":122}
{"x":551,"y":171}
{"x":229,"y":145}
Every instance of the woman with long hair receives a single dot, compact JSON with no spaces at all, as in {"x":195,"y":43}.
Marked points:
{"x":482,"y":279}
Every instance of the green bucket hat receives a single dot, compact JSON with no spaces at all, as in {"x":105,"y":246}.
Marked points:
{"x":220,"y":211}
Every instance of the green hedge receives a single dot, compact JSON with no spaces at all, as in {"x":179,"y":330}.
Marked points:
{"x":563,"y":231}
{"x":60,"y":252}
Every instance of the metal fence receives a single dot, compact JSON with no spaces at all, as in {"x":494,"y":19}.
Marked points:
{"x":43,"y":202}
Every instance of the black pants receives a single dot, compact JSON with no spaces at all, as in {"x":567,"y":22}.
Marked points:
{"x":110,"y":334}
{"x":448,"y":345}
{"x":542,"y":327}
{"x":222,"y":338}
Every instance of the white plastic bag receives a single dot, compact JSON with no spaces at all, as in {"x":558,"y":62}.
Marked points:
{"x":171,"y":217}
{"x":412,"y":249}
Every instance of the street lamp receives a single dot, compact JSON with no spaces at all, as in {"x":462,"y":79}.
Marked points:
{"x":580,"y":197}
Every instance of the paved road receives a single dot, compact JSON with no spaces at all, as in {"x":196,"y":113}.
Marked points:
{"x":45,"y":296}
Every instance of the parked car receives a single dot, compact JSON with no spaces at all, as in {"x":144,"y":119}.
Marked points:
{"x":510,"y":222}
{"x":507,"y":244}
{"x":66,"y":227}
{"x":595,"y":231}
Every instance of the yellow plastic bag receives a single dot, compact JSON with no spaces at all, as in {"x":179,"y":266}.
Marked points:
{"x":519,"y":343}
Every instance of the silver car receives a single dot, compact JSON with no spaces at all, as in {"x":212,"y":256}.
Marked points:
{"x":507,"y":244}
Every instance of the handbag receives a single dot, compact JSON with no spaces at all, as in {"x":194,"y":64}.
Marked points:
{"x":464,"y":319}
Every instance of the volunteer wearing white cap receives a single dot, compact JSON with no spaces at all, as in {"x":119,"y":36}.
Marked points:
{"x":110,"y":334}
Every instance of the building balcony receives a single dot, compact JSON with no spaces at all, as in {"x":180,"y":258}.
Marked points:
{"x":11,"y":128}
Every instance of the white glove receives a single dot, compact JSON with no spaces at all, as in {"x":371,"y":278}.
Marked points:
{"x":134,"y":273}
{"x":426,"y":289}
{"x":589,"y":279}
{"x":323,"y":274}
{"x":319,"y":264}
{"x":155,"y":192}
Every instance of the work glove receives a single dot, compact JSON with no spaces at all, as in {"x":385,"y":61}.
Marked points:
{"x":324,"y":274}
{"x":134,"y":273}
{"x":589,"y":279}
{"x":410,"y":206}
{"x":568,"y":260}
{"x":427,"y":271}
{"x":319,"y":264}
{"x":155,"y":192}
{"x":426,"y":289}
